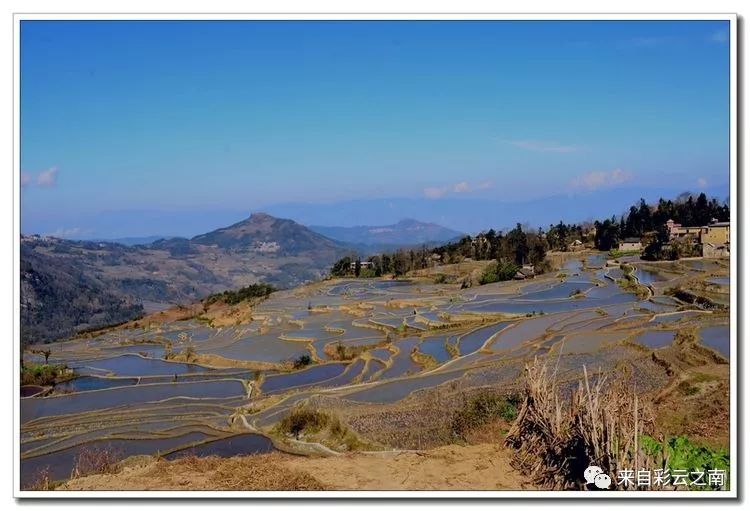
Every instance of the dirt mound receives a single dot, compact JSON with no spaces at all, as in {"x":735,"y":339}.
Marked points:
{"x":246,"y":473}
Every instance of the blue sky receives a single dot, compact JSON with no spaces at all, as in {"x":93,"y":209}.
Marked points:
{"x":200,"y":117}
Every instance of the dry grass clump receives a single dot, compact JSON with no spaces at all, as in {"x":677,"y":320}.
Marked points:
{"x":40,"y":481}
{"x":245,"y":473}
{"x":599,"y":425}
{"x":341,"y":352}
{"x":94,"y":460}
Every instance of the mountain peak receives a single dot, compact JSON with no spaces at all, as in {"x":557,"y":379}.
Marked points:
{"x":265,"y":233}
{"x":259,"y":216}
{"x":409,"y":221}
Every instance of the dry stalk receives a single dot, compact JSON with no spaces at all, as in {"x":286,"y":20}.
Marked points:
{"x":601,"y":426}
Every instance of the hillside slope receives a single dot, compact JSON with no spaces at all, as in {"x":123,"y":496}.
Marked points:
{"x":67,"y":286}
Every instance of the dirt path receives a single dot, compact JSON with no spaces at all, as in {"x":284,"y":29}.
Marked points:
{"x":453,"y":467}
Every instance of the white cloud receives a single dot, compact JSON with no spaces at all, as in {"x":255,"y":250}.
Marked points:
{"x":71,"y":232}
{"x":702,"y":182}
{"x":543,"y":146}
{"x":25,"y":178}
{"x":47,"y":178}
{"x":437,"y":192}
{"x":461,"y":187}
{"x":597,"y":180}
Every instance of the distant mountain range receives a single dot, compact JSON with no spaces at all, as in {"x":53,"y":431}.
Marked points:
{"x":470,"y":215}
{"x":467,"y":215}
{"x":71,"y":285}
{"x":67,"y":286}
{"x":132,"y":240}
{"x":406,"y":232}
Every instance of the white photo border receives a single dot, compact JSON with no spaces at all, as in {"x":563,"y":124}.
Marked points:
{"x":732,"y":493}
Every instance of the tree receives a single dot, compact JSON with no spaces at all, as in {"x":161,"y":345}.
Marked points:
{"x":607,"y":234}
{"x":400,"y":263}
{"x":518,"y":247}
{"x":342,"y":267}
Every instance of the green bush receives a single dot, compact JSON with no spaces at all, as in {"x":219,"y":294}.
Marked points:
{"x":367,"y":273}
{"x":42,"y":374}
{"x":681,"y":453}
{"x":498,"y":272}
{"x":245,"y":293}
{"x":482,"y":409}
{"x":304,"y":420}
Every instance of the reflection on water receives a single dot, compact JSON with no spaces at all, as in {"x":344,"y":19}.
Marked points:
{"x":61,"y":463}
{"x":655,"y":338}
{"x":315,"y":374}
{"x":716,"y":337}
{"x":83,"y":402}
{"x":237,"y":445}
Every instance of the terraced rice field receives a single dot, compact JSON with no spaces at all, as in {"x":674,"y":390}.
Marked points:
{"x":407,"y":336}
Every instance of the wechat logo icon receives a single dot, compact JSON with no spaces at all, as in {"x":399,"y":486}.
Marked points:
{"x":596,"y":477}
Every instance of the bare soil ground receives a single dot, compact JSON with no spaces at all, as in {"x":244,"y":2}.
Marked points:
{"x":452,"y":467}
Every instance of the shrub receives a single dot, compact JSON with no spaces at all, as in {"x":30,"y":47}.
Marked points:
{"x":302,"y":361}
{"x":95,"y":461}
{"x":324,"y":428}
{"x":302,"y":420}
{"x":498,"y":272}
{"x":41,"y":480}
{"x":680,"y":453}
{"x":687,"y":389}
{"x":482,"y":409}
{"x":240,"y":295}
{"x":43,"y":374}
{"x":367,"y":273}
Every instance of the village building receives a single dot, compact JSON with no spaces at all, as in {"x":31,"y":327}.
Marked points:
{"x":630,"y":244}
{"x":715,"y":239}
{"x":678,"y":231}
{"x":362,"y":264}
{"x":526,"y":272}
{"x":576,"y":245}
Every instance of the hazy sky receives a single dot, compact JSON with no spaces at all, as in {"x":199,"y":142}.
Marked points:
{"x":241,"y":115}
